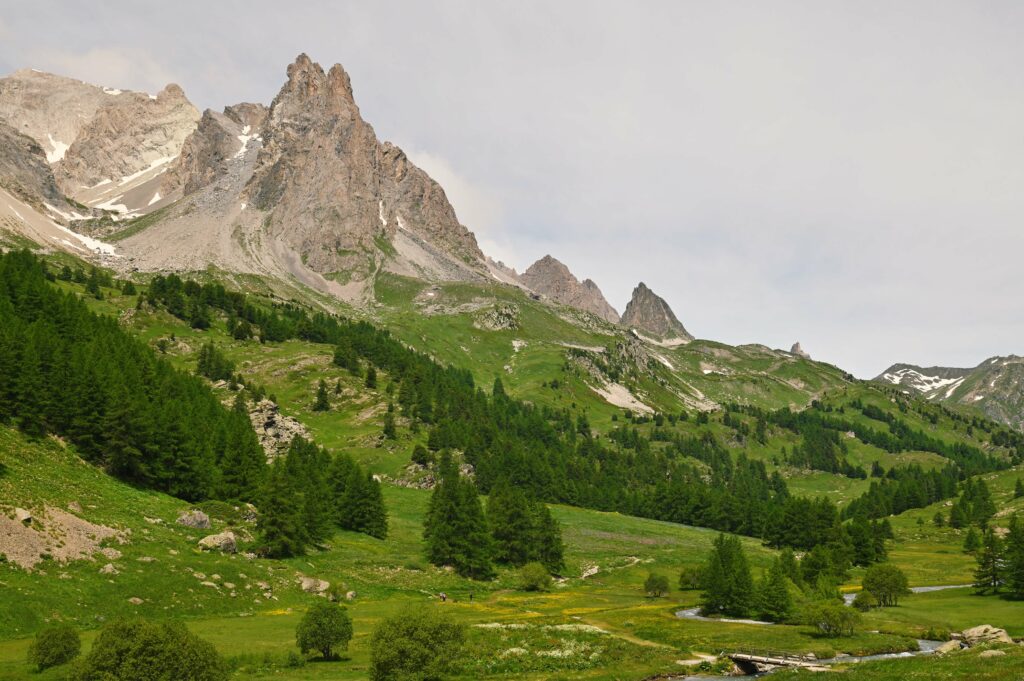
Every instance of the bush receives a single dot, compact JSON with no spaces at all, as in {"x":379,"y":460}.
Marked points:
{"x":865,"y":600}
{"x":534,"y":577}
{"x":887,"y":583}
{"x":832,"y":619}
{"x":417,"y":644}
{"x":656,"y":586}
{"x":324,"y":626}
{"x":691,"y":578}
{"x":134,"y":650}
{"x":54,"y":645}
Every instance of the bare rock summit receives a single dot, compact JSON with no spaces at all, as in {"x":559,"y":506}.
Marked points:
{"x":799,"y":351}
{"x":552,"y":278}
{"x":649,"y":313}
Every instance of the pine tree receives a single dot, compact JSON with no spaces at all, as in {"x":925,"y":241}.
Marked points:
{"x":243,"y":463}
{"x":455,"y":530}
{"x":1015,"y":558}
{"x":1018,"y":489}
{"x":512,"y":525}
{"x":371,"y":377}
{"x":989,"y":574}
{"x":729,"y":587}
{"x":972,"y":542}
{"x":279,"y":525}
{"x":389,"y":426}
{"x":550,"y":549}
{"x":322,"y":402}
{"x":774,"y":601}
{"x":306,"y":466}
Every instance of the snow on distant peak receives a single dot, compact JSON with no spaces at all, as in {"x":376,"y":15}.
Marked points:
{"x":922,"y":383}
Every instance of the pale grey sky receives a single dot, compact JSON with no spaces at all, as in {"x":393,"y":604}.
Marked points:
{"x":846,"y":174}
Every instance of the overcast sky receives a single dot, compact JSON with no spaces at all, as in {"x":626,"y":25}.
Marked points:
{"x":845,"y":174}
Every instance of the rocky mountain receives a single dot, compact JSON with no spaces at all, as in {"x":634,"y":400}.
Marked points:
{"x":553,"y":279}
{"x":332,"y":190}
{"x":996,"y":386}
{"x":648,"y":313}
{"x":106,"y":146}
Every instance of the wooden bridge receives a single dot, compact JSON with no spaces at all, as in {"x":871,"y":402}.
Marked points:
{"x":752,"y":662}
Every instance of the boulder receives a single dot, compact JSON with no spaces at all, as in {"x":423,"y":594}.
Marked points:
{"x":23,"y":516}
{"x":992,"y":653}
{"x":108,"y":569}
{"x":135,"y":600}
{"x":110,"y":553}
{"x":985,"y":633}
{"x":196,"y":519}
{"x":948,"y":647}
{"x":312,"y":585}
{"x":75,"y":507}
{"x":224,"y":542}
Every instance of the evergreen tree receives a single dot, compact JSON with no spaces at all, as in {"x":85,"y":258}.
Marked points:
{"x":279,"y":525}
{"x":773,"y":599}
{"x":455,"y":529}
{"x":972,"y":542}
{"x":1014,"y":558}
{"x":512,"y":526}
{"x":244,"y":462}
{"x":306,"y":466}
{"x":371,"y":377}
{"x":988,"y":576}
{"x":389,"y":426}
{"x":550,"y":551}
{"x":1018,"y":489}
{"x":322,"y":402}
{"x":729,"y":587}
{"x":360,"y":508}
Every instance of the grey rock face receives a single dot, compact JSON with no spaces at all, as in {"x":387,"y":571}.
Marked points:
{"x":50,"y":109}
{"x":274,"y":430}
{"x":24,"y":171}
{"x":649,"y":313}
{"x":128,"y":134}
{"x":334,"y":193}
{"x":219,"y":138}
{"x":551,"y":278}
{"x":224,"y":542}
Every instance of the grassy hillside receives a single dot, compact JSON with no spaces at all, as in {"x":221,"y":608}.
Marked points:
{"x":596,"y":624}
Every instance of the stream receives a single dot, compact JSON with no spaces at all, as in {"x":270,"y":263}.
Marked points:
{"x":925,"y":646}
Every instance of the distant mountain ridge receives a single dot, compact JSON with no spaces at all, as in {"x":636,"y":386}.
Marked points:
{"x":996,"y":386}
{"x":648,"y":312}
{"x":550,"y":277}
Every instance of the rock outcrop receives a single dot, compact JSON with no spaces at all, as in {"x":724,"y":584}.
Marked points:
{"x":225,"y":542}
{"x":985,"y":633}
{"x":799,"y":351}
{"x":553,"y":279}
{"x":274,"y":430}
{"x":219,"y":138}
{"x":24,"y":171}
{"x":195,"y":519}
{"x":648,"y":313}
{"x":340,"y":198}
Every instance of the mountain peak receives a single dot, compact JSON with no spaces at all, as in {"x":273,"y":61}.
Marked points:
{"x":798,"y":350}
{"x":648,"y":312}
{"x":550,"y":277}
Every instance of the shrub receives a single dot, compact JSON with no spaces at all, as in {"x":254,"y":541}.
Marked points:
{"x":54,"y":645}
{"x":886,"y":582}
{"x":865,"y":600}
{"x":417,"y":644}
{"x":832,"y":619}
{"x":135,"y":650}
{"x":656,"y":586}
{"x":534,"y":577}
{"x":691,"y":578}
{"x":324,"y":626}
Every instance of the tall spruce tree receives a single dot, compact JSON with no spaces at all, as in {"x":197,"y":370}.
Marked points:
{"x":729,"y":586}
{"x":279,"y":526}
{"x":774,"y":602}
{"x":988,"y":576}
{"x":1014,"y":557}
{"x":455,"y":530}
